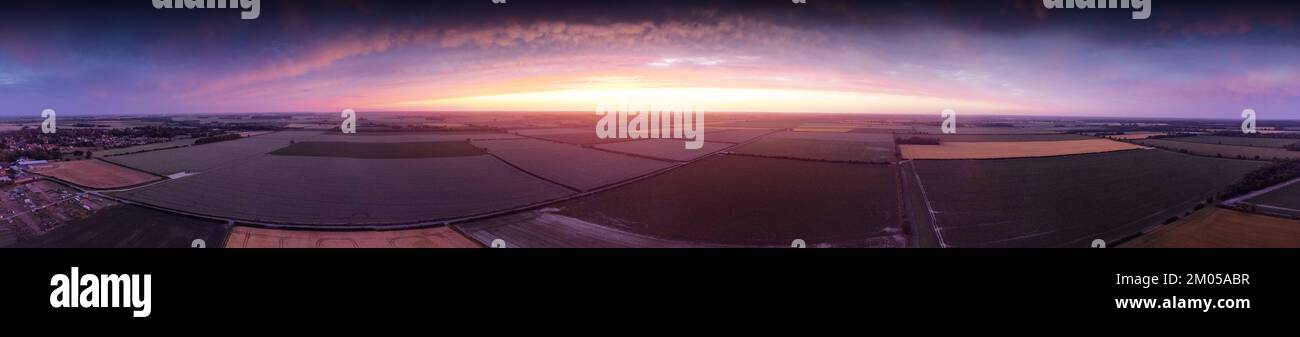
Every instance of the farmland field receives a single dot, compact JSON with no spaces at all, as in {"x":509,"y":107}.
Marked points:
{"x":126,"y":226}
{"x":823,"y":129}
{"x":1226,"y":151}
{"x":1136,"y":135}
{"x":830,"y":150}
{"x":666,"y":149}
{"x":754,"y":201}
{"x":1215,"y":227}
{"x":1284,"y":200}
{"x":875,"y":139}
{"x":409,"y":137}
{"x":997,"y":150}
{"x":1237,"y":141}
{"x":826,"y":127}
{"x":934,"y":129}
{"x":546,"y":229}
{"x":733,"y":135}
{"x":380,"y":150}
{"x":331,"y":191}
{"x":581,"y":168}
{"x":208,"y":156}
{"x":145,"y":148}
{"x":1003,"y":138}
{"x":7,"y":236}
{"x":584,"y":138}
{"x":764,"y":124}
{"x":94,"y":174}
{"x":552,"y":131}
{"x":437,"y":237}
{"x":883,"y":129}
{"x":847,"y":147}
{"x":1065,"y":201}
{"x":574,"y":136}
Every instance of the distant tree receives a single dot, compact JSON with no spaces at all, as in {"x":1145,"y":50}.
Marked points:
{"x":1261,"y":178}
{"x":214,"y":139}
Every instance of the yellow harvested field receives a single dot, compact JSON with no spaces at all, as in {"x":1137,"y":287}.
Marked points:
{"x":997,"y":150}
{"x":1136,"y":135}
{"x":439,"y":237}
{"x":94,"y":174}
{"x":1216,"y":227}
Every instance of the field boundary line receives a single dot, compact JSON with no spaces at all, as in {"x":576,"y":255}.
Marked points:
{"x":769,"y":132}
{"x":593,"y":147}
{"x":620,"y":140}
{"x":1279,"y":208}
{"x":125,"y":201}
{"x":384,"y":226}
{"x":1267,"y":210}
{"x":92,"y":189}
{"x":1262,"y":191}
{"x":1137,"y":223}
{"x":1034,"y":157}
{"x":129,"y":168}
{"x":934,"y":220}
{"x":141,"y":151}
{"x":904,"y":221}
{"x":534,"y":175}
{"x":1194,"y":154}
{"x":235,"y":221}
{"x":734,"y":153}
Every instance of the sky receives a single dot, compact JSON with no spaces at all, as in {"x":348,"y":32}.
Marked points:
{"x":1190,"y":59}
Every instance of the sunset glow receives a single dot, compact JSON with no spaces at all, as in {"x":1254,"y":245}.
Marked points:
{"x":1194,"y":61}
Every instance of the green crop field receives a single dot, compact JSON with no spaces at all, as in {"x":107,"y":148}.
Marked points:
{"x":755,"y":201}
{"x":1065,"y":201}
{"x":1237,"y":141}
{"x":1225,"y":151}
{"x":380,"y":150}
